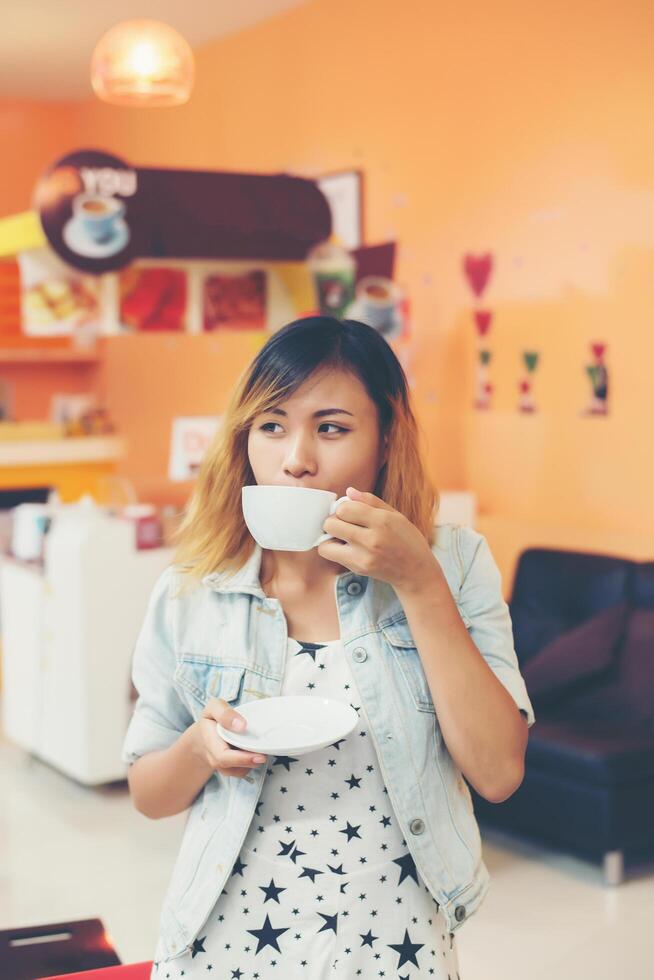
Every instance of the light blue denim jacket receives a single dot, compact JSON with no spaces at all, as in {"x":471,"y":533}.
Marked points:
{"x":227,"y":639}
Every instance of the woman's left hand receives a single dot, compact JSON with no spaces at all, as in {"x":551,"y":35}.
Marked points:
{"x":380,"y":542}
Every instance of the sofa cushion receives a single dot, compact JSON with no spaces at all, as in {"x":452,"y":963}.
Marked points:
{"x":533,"y":629}
{"x":624,"y":695}
{"x":579,"y":654}
{"x":554,"y":591}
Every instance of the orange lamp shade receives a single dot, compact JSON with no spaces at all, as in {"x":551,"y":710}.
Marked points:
{"x":142,"y":63}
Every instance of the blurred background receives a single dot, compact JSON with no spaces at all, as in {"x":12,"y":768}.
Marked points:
{"x":474,"y":182}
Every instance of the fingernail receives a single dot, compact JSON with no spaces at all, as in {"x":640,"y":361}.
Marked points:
{"x":238,"y":724}
{"x":259,"y":758}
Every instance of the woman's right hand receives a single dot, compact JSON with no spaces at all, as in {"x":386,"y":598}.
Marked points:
{"x":215,"y":751}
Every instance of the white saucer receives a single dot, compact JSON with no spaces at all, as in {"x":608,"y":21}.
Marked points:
{"x":291,"y":724}
{"x":78,"y":241}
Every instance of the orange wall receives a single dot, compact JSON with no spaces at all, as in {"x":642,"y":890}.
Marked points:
{"x":519,"y":129}
{"x":32,"y":135}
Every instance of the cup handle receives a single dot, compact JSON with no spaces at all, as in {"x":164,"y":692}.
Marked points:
{"x":326,"y":537}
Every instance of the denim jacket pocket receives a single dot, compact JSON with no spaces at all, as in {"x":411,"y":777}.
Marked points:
{"x":398,"y":635}
{"x":405,"y":654}
{"x":204,"y":681}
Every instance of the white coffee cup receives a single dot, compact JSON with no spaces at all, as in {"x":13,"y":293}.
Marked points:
{"x":284,"y":518}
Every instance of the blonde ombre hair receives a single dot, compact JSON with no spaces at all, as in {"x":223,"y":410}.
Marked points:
{"x":212,"y":535}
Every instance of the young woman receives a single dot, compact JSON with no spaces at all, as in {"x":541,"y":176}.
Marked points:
{"x":363,"y":858}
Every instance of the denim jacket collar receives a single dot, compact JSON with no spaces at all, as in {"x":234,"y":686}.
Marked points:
{"x":246,"y":579}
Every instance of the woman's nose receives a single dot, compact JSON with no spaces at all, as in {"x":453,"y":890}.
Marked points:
{"x":299,"y":459}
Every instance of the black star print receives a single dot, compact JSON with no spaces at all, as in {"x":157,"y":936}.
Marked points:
{"x":284,"y":760}
{"x":337,"y":745}
{"x":238,"y":867}
{"x":368,"y":938}
{"x":351,"y":831}
{"x":353,"y":781}
{"x":310,"y":873}
{"x":407,"y":950}
{"x":198,"y":947}
{"x":385,"y":821}
{"x":338,"y":870}
{"x":267,"y":935}
{"x":286,"y":848}
{"x":271,"y":891}
{"x":407,"y":866}
{"x":330,"y":922}
{"x":311,"y":649}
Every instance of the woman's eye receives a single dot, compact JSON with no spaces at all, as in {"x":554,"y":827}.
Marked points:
{"x":332,"y":425}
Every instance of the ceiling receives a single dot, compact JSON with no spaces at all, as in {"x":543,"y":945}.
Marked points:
{"x":46,"y":45}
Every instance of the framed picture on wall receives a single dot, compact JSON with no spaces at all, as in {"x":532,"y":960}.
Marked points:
{"x":344,"y":191}
{"x":152,"y":297}
{"x":236,"y":300}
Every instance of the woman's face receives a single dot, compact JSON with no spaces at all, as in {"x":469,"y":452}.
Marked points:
{"x":325,"y":436}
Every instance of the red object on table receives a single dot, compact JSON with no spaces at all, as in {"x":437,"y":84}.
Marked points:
{"x":131,"y":971}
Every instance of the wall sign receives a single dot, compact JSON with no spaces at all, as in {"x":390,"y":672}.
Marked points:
{"x":191,"y":437}
{"x":85,"y":203}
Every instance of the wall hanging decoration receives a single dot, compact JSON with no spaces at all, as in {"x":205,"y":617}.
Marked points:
{"x":526,"y":401}
{"x":483,"y":385}
{"x":236,"y":301}
{"x":190,"y":438}
{"x":194,"y":252}
{"x":597,"y":373}
{"x":153,"y":298}
{"x":477,"y":270}
{"x":55,"y":300}
{"x":344,"y":191}
{"x":99,"y":214}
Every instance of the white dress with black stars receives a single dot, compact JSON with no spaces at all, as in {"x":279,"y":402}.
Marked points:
{"x":324,"y":886}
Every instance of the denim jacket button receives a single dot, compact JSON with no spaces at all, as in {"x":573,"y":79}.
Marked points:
{"x":460,"y":913}
{"x":417,"y":826}
{"x":360,"y":654}
{"x":354,"y":588}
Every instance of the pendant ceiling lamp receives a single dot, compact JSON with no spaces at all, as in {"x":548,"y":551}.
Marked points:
{"x":142,"y":63}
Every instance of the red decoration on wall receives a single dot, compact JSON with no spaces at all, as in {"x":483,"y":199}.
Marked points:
{"x":483,"y":320}
{"x":477,"y":269}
